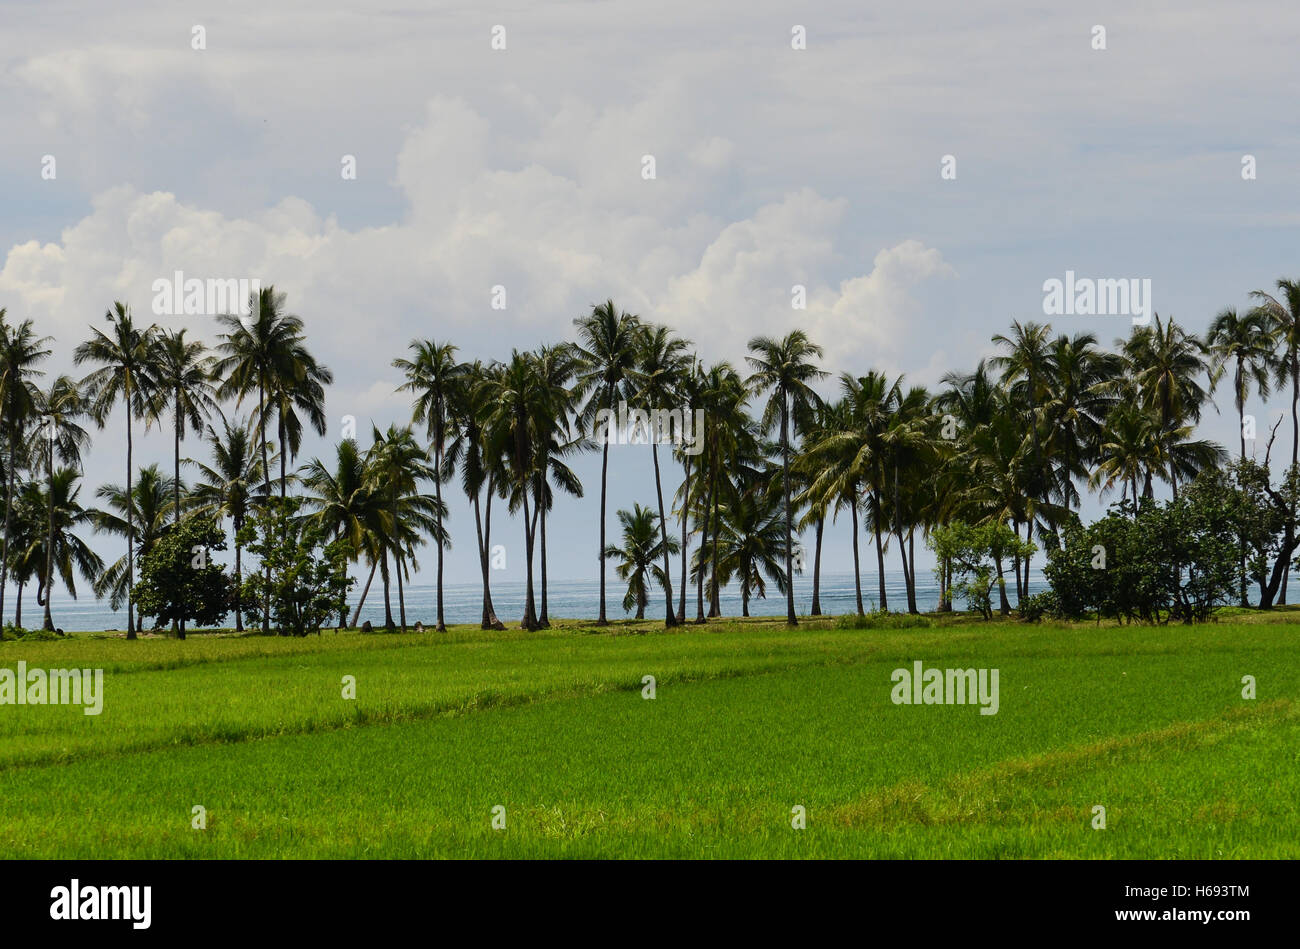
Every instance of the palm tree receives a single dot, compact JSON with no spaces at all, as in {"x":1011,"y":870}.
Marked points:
{"x":512,"y":403}
{"x":26,"y":550}
{"x":1080,"y":395}
{"x":607,"y":348}
{"x":61,"y":409}
{"x":909,"y":454}
{"x":1128,"y":448}
{"x":753,"y":541}
{"x":638,"y":558}
{"x":434,"y":376}
{"x":184,"y":386}
{"x":344,"y":505}
{"x":1245,"y":342}
{"x":265,"y":353}
{"x":225,"y":487}
{"x":395,"y":466}
{"x":662,"y":362}
{"x":1284,"y":320}
{"x":468,"y":451}
{"x":832,"y":470}
{"x":1165,"y":362}
{"x":556,"y":440}
{"x":1027,"y":369}
{"x":20,"y":351}
{"x":870,"y":401}
{"x":1284,"y":328}
{"x":129,"y":373}
{"x":731,"y":444}
{"x":692,"y":392}
{"x":58,"y":552}
{"x":140,"y":512}
{"x":784,"y":367}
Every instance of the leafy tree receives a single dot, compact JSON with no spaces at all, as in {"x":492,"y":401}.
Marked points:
{"x":1162,"y":561}
{"x":302,"y":582}
{"x":977,"y":553}
{"x":179,"y":581}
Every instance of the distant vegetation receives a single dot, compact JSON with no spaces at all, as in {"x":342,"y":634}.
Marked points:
{"x":990,"y":469}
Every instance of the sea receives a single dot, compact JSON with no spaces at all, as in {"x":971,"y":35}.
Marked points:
{"x":566,"y":599}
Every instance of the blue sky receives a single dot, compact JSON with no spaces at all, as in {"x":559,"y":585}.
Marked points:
{"x":522,"y":167}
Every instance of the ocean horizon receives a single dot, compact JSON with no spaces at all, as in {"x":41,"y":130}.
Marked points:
{"x":566,"y":599}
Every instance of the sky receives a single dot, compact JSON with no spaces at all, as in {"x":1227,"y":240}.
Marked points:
{"x":523,"y":167}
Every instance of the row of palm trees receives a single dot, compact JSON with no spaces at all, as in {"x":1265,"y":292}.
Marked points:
{"x":1014,"y":441}
{"x":161,"y":378}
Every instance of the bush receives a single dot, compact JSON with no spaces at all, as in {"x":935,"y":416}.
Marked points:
{"x":881,"y":619}
{"x":308,"y":570}
{"x":38,"y":636}
{"x":1034,"y":607}
{"x":1161,"y":561}
{"x":976,"y":554}
{"x":179,"y":582}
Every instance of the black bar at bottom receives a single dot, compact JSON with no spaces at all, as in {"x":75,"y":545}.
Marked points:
{"x":331,"y":899}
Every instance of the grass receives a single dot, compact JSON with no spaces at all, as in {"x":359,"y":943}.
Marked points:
{"x":749,"y":720}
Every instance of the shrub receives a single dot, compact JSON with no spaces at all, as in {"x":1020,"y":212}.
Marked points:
{"x":308,"y":570}
{"x":1035,"y":606}
{"x":880,"y":619}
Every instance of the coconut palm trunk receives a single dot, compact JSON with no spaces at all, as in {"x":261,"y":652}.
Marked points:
{"x":1003,"y":606}
{"x":880,"y":549}
{"x":130,"y":523}
{"x":857,"y":563}
{"x":715,"y":597}
{"x":401,"y":594}
{"x":239,"y":581}
{"x":266,"y":500}
{"x":704,"y":546}
{"x":388,"y":600}
{"x":686,"y":498}
{"x":544,"y":620}
{"x":484,"y":529}
{"x":603,"y":620}
{"x":49,"y":536}
{"x":669,"y":619}
{"x":817,"y":570}
{"x":530,"y":613}
{"x":178,"y":623}
{"x":362,"y":602}
{"x":437,"y":487}
{"x":790,"y":618}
